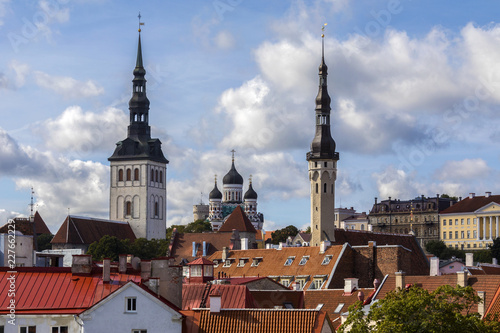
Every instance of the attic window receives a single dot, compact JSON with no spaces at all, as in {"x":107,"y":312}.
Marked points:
{"x":227,"y":263}
{"x":256,"y":262}
{"x":285,"y":282}
{"x":327,"y":260}
{"x":131,"y":304}
{"x":339,"y":308}
{"x":303,"y":260}
{"x":289,"y":261}
{"x":317,"y":283}
{"x":216,"y":263}
{"x":288,"y":305}
{"x":242,"y":262}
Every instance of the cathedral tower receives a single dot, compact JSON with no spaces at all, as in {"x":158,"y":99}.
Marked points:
{"x":322,"y":161}
{"x":138,"y":188}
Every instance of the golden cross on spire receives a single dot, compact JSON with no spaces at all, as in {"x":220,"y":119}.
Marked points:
{"x":250,"y":179}
{"x":323,"y":29}
{"x":215,"y":177}
{"x":140,"y":23}
{"x":232,"y":152}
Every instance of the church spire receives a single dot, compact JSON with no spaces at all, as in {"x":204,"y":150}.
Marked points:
{"x":323,"y":145}
{"x":139,"y":103}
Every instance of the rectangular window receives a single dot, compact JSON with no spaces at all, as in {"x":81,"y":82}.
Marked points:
{"x":139,"y":331}
{"x":474,"y":234}
{"x":195,"y":270}
{"x":444,"y":235}
{"x":474,"y":221}
{"x":60,"y":329}
{"x":241,"y":263}
{"x":303,"y":260}
{"x":468,"y":233}
{"x":444,"y":222}
{"x":462,"y":221}
{"x":301,"y":283}
{"x":285,"y":282}
{"x":317,"y":283}
{"x":456,"y":221}
{"x":255,"y":262}
{"x":131,"y":304}
{"x":227,"y":263}
{"x":468,"y":220}
{"x":27,"y":329}
{"x":462,"y":234}
{"x":456,"y":234}
{"x":451,"y":235}
{"x":289,"y":261}
{"x":326,"y":260}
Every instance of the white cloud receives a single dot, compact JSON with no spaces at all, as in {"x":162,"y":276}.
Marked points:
{"x":67,"y":86}
{"x":224,"y":40}
{"x":96,"y":131}
{"x":5,"y":215}
{"x":463,"y":170}
{"x":3,"y":10}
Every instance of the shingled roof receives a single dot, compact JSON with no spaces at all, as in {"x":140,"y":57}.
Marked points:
{"x":469,"y":204}
{"x":182,"y":245}
{"x":232,"y":296}
{"x":24,"y":225}
{"x":238,"y":220}
{"x":86,"y":230}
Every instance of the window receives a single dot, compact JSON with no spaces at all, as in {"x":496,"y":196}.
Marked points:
{"x":285,"y":282}
{"x":326,"y":164}
{"x":129,"y":174}
{"x":451,"y":235}
{"x":161,"y":177}
{"x":338,"y":308}
{"x":456,"y":221}
{"x":326,"y":260}
{"x":156,"y":175}
{"x":468,"y":233}
{"x":316,"y":284}
{"x":301,"y":283}
{"x":128,"y":208}
{"x":462,"y":234}
{"x":462,"y":221}
{"x":130,"y":304}
{"x":242,"y":262}
{"x":152,"y":175}
{"x":256,"y":261}
{"x":227,"y":263}
{"x":136,"y":174}
{"x":196,"y":270}
{"x":444,"y":222}
{"x":456,"y":234}
{"x":468,"y":220}
{"x":27,"y":329}
{"x":316,"y":187}
{"x":289,"y":261}
{"x":474,"y":234}
{"x":303,"y":260}
{"x":315,"y":164}
{"x":156,"y":209}
{"x":444,"y":235}
{"x":120,"y":175}
{"x":324,"y":188}
{"x":60,"y":329}
{"x":139,"y":331}
{"x":474,"y":221}
{"x":208,"y":271}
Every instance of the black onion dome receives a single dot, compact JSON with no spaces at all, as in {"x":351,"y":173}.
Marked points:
{"x":232,"y":177}
{"x":250,"y":194}
{"x":215,"y":193}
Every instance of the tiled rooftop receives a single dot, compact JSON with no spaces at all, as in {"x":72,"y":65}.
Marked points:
{"x":232,"y":296}
{"x":468,"y":205}
{"x":239,"y":221}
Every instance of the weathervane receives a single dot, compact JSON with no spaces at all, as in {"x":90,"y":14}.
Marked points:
{"x":140,"y":23}
{"x":323,"y":40}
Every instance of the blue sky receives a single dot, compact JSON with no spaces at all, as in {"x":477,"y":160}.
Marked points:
{"x":415,"y":89}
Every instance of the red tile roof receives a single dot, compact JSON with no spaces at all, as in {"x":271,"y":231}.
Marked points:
{"x":468,"y":205}
{"x":182,"y":245}
{"x":238,"y":220}
{"x":258,"y":320}
{"x":233,"y":296}
{"x":86,"y":230}
{"x":24,"y":225}
{"x":269,"y":299}
{"x":56,"y":290}
{"x":201,"y":261}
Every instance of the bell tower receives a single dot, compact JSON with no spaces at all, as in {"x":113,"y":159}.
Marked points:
{"x":138,"y":189}
{"x":322,"y":161}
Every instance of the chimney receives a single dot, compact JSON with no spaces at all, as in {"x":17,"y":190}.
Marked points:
{"x":375,"y":201}
{"x":225,"y":253}
{"x":487,"y":194}
{"x":376,"y":284}
{"x":204,"y":248}
{"x":494,"y":261}
{"x":480,"y":306}
{"x":462,"y":279}
{"x":472,"y":195}
{"x":122,"y":263}
{"x":154,"y":285}
{"x":400,"y":280}
{"x":193,"y":254}
{"x":350,"y":285}
{"x":145,"y":269}
{"x":437,"y":195}
{"x":323,"y":246}
{"x":82,"y":264}
{"x":434,"y":271}
{"x":361,"y":296}
{"x":244,"y":243}
{"x":170,"y":277}
{"x":106,"y":270}
{"x":469,"y":259}
{"x":215,"y":301}
{"x":129,"y":258}
{"x":235,"y":240}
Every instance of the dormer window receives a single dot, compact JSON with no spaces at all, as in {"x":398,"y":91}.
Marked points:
{"x":256,"y":262}
{"x":303,"y":260}
{"x":216,"y":263}
{"x":289,"y":261}
{"x":242,"y":262}
{"x":227,"y":263}
{"x":327,"y":260}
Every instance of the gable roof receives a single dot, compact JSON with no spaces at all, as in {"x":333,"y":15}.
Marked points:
{"x":182,"y":244}
{"x":41,"y":290}
{"x":232,"y":296}
{"x":272,"y":262}
{"x":420,"y":264}
{"x":86,"y":230}
{"x":468,"y":204}
{"x":238,"y":220}
{"x":24,"y":225}
{"x":258,"y":320}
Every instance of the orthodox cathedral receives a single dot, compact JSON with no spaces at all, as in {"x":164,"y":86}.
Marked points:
{"x":221,"y":205}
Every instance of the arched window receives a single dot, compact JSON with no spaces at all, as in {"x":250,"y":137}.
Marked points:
{"x":324,"y":188}
{"x":136,"y":174}
{"x":128,"y":208}
{"x":161,"y":177}
{"x":129,"y":174}
{"x":156,"y":174}
{"x":120,"y":175}
{"x":156,"y":209}
{"x":317,"y":187}
{"x":152,"y":175}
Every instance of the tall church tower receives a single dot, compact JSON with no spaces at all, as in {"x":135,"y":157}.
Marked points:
{"x":138,"y":188}
{"x":322,"y":164}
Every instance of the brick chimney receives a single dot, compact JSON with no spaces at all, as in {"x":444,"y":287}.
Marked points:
{"x":462,"y":279}
{"x":170,"y":277}
{"x":106,"y":270}
{"x":82,"y":264}
{"x":480,"y":307}
{"x":122,"y":263}
{"x":350,"y":285}
{"x":400,"y":280}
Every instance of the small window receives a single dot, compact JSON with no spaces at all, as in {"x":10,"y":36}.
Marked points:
{"x":326,"y":260}
{"x":139,"y":331}
{"x":255,"y":262}
{"x":156,"y":209}
{"x":156,"y":175}
{"x":227,"y":263}
{"x":301,"y":283}
{"x":136,"y":174}
{"x":128,"y":208}
{"x":129,"y":174}
{"x":303,"y":260}
{"x":326,"y":164}
{"x":444,"y":235}
{"x":130,"y":304}
{"x":120,"y":175}
{"x":60,"y":329}
{"x":216,"y":263}
{"x":285,"y":282}
{"x":462,"y":221}
{"x":161,"y":177}
{"x":317,"y":188}
{"x":444,"y":222}
{"x":338,"y":308}
{"x":324,"y":188}
{"x":195,"y":270}
{"x":468,"y":220}
{"x":241,"y":262}
{"x":316,"y":284}
{"x":27,"y":329}
{"x":289,"y":261}
{"x":152,"y":175}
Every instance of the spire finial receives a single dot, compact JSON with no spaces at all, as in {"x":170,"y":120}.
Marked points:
{"x":215,"y":178}
{"x":250,"y":179}
{"x":140,"y":23}
{"x":323,"y":40}
{"x":232,"y":153}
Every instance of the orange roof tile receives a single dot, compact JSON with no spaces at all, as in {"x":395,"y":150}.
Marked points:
{"x":269,"y":299}
{"x":237,"y":220}
{"x":182,"y":246}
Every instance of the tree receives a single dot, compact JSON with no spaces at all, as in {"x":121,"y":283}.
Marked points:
{"x":482,"y":256}
{"x":436,"y":247}
{"x":281,"y":235}
{"x":198,"y":226}
{"x":43,"y":242}
{"x":446,"y":309}
{"x":495,"y":249}
{"x":149,"y":249}
{"x":446,"y":196}
{"x":308,"y":230}
{"x":109,"y":247}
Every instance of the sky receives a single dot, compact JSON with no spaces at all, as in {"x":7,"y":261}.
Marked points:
{"x":415,"y":87}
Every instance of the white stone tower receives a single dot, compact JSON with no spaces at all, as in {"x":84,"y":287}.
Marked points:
{"x":322,"y":161}
{"x":138,"y":188}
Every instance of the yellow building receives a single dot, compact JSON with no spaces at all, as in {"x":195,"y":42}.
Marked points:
{"x":472,"y":223}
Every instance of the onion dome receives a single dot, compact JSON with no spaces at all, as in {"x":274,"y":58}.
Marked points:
{"x":250,"y":194}
{"x":232,"y":177}
{"x":215,"y":193}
